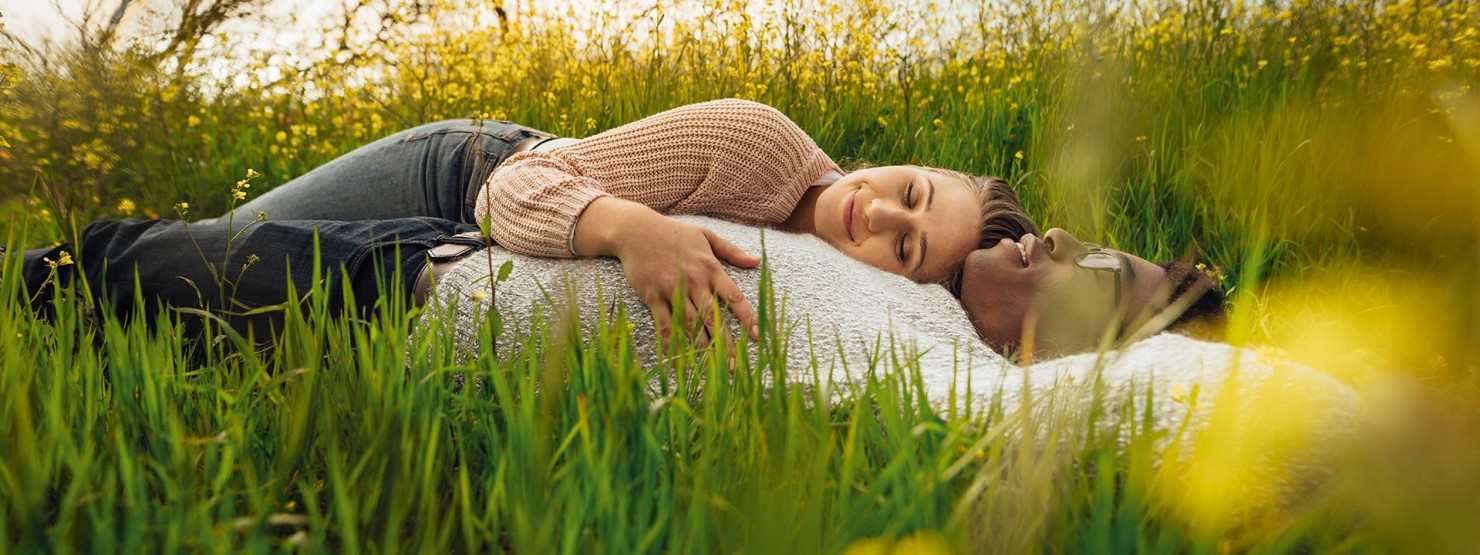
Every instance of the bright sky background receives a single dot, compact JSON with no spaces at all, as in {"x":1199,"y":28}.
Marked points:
{"x":35,"y":19}
{"x":287,"y":29}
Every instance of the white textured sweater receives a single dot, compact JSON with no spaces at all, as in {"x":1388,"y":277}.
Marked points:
{"x":854,"y":313}
{"x":1276,"y":439}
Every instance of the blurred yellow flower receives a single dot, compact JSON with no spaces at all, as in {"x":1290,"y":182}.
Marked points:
{"x":919,"y":543}
{"x":867,"y":546}
{"x":127,"y":207}
{"x":192,"y":121}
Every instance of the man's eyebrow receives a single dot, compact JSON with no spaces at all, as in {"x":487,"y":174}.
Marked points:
{"x":1129,"y":269}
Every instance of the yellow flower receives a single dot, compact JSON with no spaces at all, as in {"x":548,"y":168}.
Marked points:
{"x":182,"y":207}
{"x":238,"y":194}
{"x":127,"y":206}
{"x":1018,"y":156}
{"x":64,"y":259}
{"x":281,"y":136}
{"x":252,"y":174}
{"x":192,"y":120}
{"x":883,"y":122}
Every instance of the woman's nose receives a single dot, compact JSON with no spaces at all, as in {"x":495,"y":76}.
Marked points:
{"x":1062,"y":245}
{"x":884,"y":216}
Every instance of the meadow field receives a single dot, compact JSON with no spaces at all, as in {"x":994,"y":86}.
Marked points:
{"x":1320,"y":158}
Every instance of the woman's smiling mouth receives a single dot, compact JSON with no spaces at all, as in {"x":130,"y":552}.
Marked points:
{"x":848,"y":215}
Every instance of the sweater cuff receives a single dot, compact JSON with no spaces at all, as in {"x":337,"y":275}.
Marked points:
{"x":570,"y":237}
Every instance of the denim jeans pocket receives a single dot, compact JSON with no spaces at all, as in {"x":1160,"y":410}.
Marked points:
{"x":509,"y":132}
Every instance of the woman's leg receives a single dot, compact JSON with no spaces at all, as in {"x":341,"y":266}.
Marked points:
{"x":168,"y":263}
{"x":432,"y":170}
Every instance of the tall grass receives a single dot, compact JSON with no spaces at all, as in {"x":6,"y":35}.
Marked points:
{"x":1320,"y":156}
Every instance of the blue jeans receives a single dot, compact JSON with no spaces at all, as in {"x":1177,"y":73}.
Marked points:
{"x":434,"y":170}
{"x":365,"y":217}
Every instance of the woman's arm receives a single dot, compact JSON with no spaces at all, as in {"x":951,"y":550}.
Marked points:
{"x":608,"y":196}
{"x":731,"y":158}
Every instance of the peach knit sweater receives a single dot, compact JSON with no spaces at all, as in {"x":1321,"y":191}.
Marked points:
{"x":733,"y":159}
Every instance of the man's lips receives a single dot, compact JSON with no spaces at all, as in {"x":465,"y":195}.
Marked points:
{"x":848,"y":214}
{"x":1019,"y":250}
{"x":1029,"y":244}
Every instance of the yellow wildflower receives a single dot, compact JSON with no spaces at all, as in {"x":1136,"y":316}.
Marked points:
{"x":63,"y":259}
{"x":127,"y":207}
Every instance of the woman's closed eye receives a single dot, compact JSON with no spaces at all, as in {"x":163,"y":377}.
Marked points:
{"x":909,"y":194}
{"x":900,"y":247}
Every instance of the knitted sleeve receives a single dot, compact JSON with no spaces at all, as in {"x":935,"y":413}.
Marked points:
{"x":733,"y":159}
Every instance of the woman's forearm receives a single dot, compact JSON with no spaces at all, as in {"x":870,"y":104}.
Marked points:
{"x":607,"y":223}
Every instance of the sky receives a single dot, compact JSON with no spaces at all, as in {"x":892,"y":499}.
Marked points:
{"x":37,"y":20}
{"x":33,"y":20}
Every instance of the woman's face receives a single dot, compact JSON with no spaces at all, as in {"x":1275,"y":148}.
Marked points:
{"x":903,"y":219}
{"x":1036,"y":286}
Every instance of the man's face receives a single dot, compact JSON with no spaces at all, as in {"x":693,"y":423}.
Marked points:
{"x":1037,"y":288}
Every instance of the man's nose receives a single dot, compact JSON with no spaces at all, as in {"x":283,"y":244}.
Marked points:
{"x":884,"y":216}
{"x":1062,"y":244}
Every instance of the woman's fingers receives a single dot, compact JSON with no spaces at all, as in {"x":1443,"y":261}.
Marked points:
{"x":668,"y":260}
{"x":729,"y":293}
{"x":728,"y":252}
{"x":662,"y":320}
{"x":699,"y":321}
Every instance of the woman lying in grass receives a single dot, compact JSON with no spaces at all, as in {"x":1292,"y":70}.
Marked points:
{"x":610,"y":195}
{"x":734,"y":159}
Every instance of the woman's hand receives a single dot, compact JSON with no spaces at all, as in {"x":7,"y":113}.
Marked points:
{"x":660,"y":255}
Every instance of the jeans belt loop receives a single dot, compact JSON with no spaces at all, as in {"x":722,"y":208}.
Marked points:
{"x":527,"y":145}
{"x":441,"y":259}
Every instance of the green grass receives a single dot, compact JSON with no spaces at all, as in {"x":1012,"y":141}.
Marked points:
{"x":1320,"y":155}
